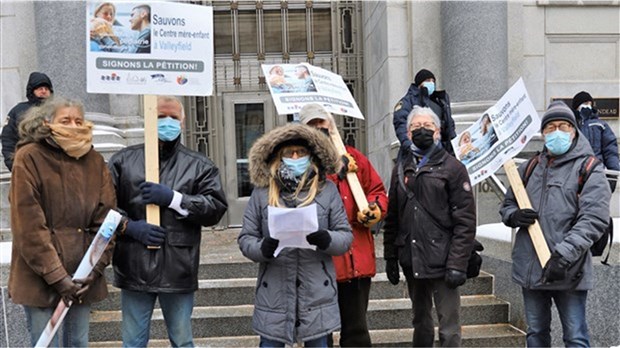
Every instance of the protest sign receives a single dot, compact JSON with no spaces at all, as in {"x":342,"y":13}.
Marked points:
{"x":294,"y":85}
{"x":149,"y":48}
{"x":499,"y":134}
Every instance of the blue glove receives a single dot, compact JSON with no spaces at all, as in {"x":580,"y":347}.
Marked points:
{"x":147,"y":234}
{"x":156,"y":194}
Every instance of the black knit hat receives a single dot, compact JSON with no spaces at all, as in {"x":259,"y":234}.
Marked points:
{"x":557,"y":110}
{"x":423,"y":75}
{"x":581,"y":98}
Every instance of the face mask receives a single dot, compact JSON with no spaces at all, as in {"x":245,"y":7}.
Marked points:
{"x":74,"y":141}
{"x":422,"y":138}
{"x":297,"y":166}
{"x":558,"y":142}
{"x":430,"y":87}
{"x":168,"y":128}
{"x":586,"y":111}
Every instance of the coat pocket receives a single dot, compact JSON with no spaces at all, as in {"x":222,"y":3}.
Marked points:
{"x":436,"y":244}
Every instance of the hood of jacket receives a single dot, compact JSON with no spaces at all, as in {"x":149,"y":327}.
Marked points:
{"x":323,"y":152}
{"x":35,"y":80}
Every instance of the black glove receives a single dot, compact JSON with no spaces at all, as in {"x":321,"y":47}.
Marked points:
{"x":269,"y":246}
{"x":523,"y":217}
{"x":147,"y":234}
{"x":454,"y":278}
{"x":392,"y":271}
{"x":348,"y":166}
{"x":319,"y":238}
{"x":156,"y":194}
{"x":67,"y":290}
{"x":555,"y":269}
{"x":86,"y":283}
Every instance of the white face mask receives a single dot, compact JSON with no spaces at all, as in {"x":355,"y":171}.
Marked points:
{"x":584,"y":106}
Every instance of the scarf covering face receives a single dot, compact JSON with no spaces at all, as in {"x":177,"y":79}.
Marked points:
{"x":74,"y":141}
{"x":288,"y":185}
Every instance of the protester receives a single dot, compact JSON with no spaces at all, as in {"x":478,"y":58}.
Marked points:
{"x":570,"y":223}
{"x":190,"y":196}
{"x":296,"y":293}
{"x":430,"y":229}
{"x":60,"y":193}
{"x":422,"y":93}
{"x":598,"y":132}
{"x":355,"y":269}
{"x":38,"y":89}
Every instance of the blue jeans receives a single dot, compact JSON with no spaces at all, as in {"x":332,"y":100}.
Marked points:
{"x":74,"y":327}
{"x":317,"y":342}
{"x":571,"y":307}
{"x":137,"y":310}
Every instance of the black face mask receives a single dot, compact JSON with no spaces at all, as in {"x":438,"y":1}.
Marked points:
{"x":422,"y":138}
{"x":586,"y":112}
{"x":324,"y":131}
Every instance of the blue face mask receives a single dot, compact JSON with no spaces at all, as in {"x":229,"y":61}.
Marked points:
{"x":297,"y":166}
{"x":168,"y":128}
{"x":430,"y":87}
{"x":558,"y":142}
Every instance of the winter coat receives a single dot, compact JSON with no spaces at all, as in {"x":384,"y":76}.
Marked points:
{"x":174,"y":267}
{"x":570,"y":223}
{"x":602,"y":139}
{"x":296,"y":292}
{"x":437,"y":233}
{"x":359,"y":260}
{"x":10,"y":131}
{"x":57,"y":206}
{"x":439,"y":102}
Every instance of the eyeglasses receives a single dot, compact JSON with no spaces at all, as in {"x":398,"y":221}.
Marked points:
{"x":552,"y":127}
{"x":300,"y":151}
{"x":427,"y":125}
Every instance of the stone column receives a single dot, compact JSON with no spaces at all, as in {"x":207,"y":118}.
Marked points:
{"x":475,"y":50}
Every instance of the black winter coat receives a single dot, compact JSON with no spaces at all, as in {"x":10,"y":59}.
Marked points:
{"x":10,"y":131}
{"x":437,"y":232}
{"x":174,"y":267}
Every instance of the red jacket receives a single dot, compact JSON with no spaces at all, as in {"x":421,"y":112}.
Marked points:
{"x":359,"y":261}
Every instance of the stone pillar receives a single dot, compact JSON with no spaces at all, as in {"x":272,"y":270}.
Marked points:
{"x":61,"y":50}
{"x":475,"y":50}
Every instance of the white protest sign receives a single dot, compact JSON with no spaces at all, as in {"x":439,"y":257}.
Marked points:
{"x":501,"y":133}
{"x":149,"y":48}
{"x":294,"y":85}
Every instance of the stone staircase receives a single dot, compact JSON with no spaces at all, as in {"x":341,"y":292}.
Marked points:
{"x":223,"y":306}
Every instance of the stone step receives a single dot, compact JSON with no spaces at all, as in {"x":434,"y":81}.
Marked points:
{"x":490,"y":335}
{"x":223,"y":321}
{"x":238,"y":291}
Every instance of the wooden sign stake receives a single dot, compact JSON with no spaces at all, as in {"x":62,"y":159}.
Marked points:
{"x":356,"y":188}
{"x":151,"y":155}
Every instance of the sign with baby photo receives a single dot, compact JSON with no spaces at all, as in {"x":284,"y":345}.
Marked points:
{"x":500,"y":133}
{"x":149,"y":48}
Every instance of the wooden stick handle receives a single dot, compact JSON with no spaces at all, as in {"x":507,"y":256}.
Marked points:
{"x":151,"y":155}
{"x":356,"y":188}
{"x":536,"y":233}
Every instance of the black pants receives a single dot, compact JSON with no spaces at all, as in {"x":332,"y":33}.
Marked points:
{"x":447,"y":304}
{"x":353,"y":303}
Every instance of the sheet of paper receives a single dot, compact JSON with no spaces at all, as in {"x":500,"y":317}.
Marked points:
{"x":291,"y":226}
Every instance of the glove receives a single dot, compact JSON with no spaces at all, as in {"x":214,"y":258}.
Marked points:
{"x":67,"y":290}
{"x":454,"y":278}
{"x":156,"y":194}
{"x":319,"y":238}
{"x":348,"y":166}
{"x":86,"y":283}
{"x":523,"y":217}
{"x":147,"y":234}
{"x":555,"y":269}
{"x":269,"y":246}
{"x":369,"y":216}
{"x":392,"y":271}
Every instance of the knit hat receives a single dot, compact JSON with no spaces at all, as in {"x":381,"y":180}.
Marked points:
{"x":581,"y":98}
{"x":557,"y":110}
{"x":423,"y":75}
{"x":313,"y":111}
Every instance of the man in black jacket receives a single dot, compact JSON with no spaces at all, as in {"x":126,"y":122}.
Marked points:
{"x":430,"y":229}
{"x":190,"y":195}
{"x":38,"y":89}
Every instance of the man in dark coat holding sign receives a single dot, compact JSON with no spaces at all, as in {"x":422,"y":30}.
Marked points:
{"x":190,"y":196}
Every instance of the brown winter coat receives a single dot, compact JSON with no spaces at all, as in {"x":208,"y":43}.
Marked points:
{"x":57,"y":205}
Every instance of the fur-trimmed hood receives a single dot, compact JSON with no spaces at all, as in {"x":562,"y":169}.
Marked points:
{"x":323,"y":151}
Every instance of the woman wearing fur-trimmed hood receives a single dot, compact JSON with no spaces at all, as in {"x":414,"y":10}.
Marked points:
{"x":296,"y":296}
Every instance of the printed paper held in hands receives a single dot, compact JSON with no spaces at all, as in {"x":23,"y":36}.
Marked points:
{"x":291,"y":226}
